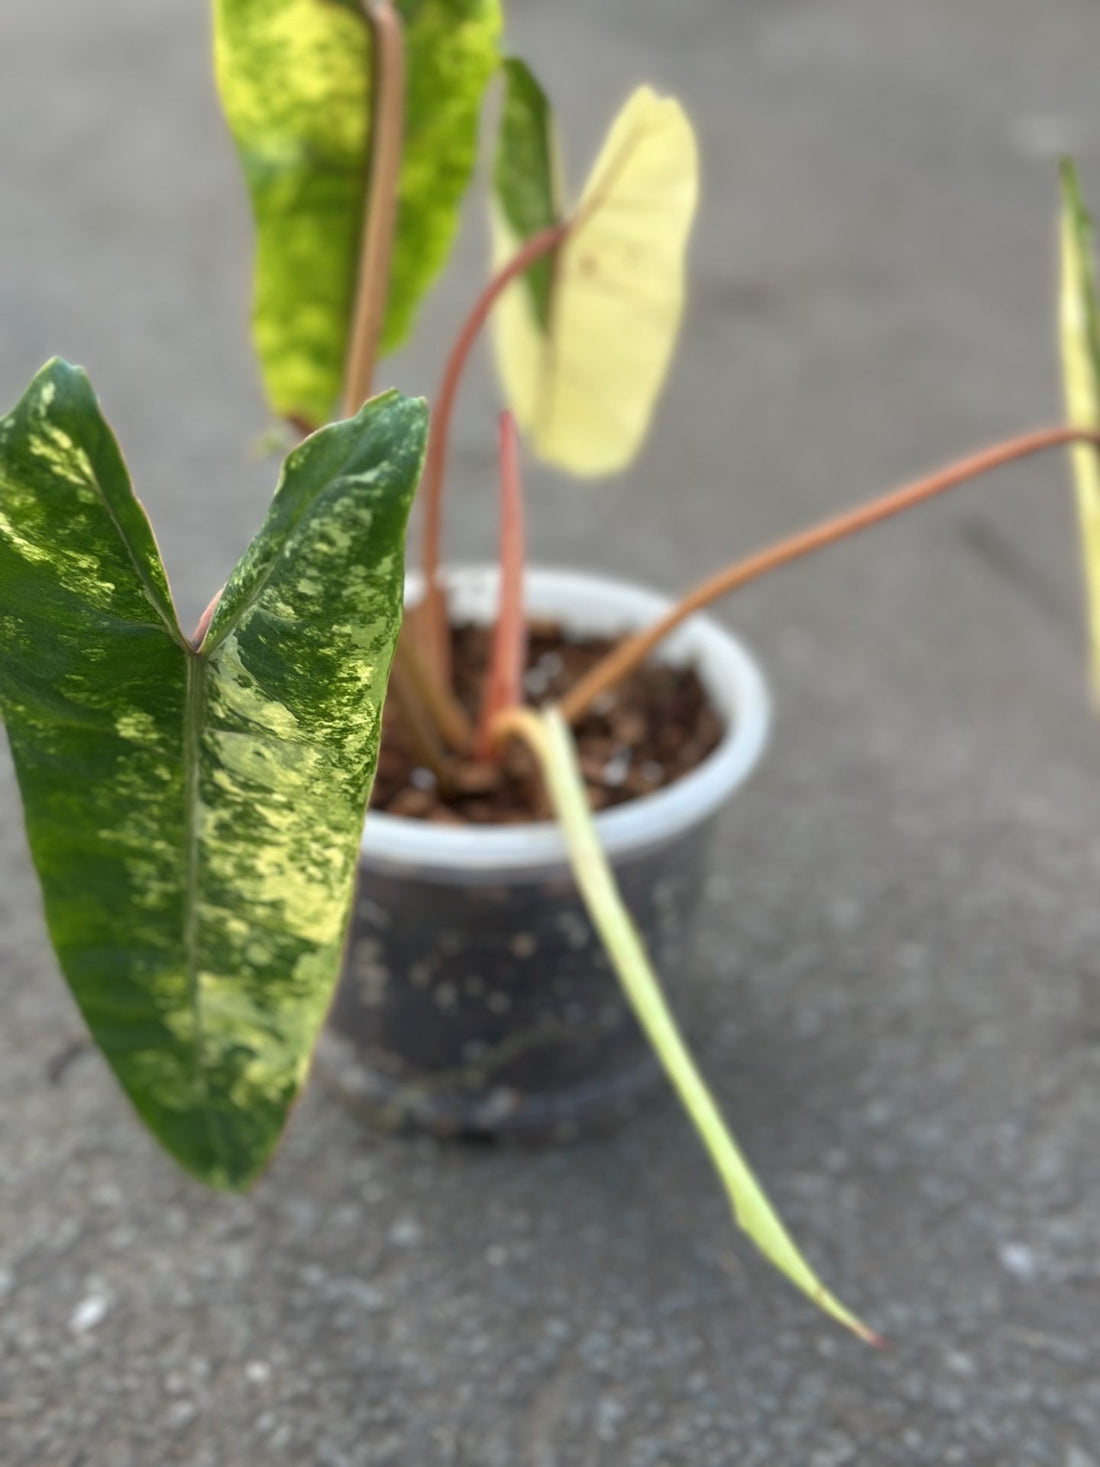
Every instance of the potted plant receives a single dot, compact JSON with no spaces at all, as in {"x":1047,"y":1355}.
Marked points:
{"x":194,"y":804}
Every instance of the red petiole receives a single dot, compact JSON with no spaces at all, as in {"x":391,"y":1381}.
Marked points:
{"x":633,"y":650}
{"x":503,"y":688}
{"x":432,"y":621}
{"x":380,"y":214}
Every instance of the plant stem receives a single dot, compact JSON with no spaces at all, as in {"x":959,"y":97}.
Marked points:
{"x":205,"y":620}
{"x":447,"y":712}
{"x":376,"y":242}
{"x":624,"y":658}
{"x":434,"y":621}
{"x":503,"y":687}
{"x":419,"y":726}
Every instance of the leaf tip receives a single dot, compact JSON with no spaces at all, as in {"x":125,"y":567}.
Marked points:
{"x":870,"y":1336}
{"x":832,"y":1306}
{"x":60,"y":371}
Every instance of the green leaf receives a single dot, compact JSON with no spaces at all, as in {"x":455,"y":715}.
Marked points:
{"x":527,"y":177}
{"x":294,"y":78}
{"x":550,"y":740}
{"x":194,"y":815}
{"x":451,"y":54}
{"x":1080,"y":343}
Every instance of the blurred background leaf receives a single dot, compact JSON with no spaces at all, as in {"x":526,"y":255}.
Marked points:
{"x":294,"y":78}
{"x":1080,"y":341}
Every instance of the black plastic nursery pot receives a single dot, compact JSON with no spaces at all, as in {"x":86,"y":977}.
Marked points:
{"x":476,"y":1000}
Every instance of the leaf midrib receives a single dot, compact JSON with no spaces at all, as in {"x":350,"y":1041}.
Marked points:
{"x":195,"y":667}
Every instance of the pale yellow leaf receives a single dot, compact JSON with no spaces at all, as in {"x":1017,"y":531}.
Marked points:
{"x":1079,"y":333}
{"x":584,"y":388}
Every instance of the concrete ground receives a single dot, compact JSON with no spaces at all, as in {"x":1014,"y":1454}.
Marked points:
{"x":899,"y":1003}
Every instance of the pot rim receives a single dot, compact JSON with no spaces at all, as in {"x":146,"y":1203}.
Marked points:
{"x":601,"y":604}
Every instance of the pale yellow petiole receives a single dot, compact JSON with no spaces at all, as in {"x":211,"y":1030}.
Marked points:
{"x":547,"y":735}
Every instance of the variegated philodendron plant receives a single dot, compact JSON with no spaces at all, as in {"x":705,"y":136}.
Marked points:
{"x":194,"y":804}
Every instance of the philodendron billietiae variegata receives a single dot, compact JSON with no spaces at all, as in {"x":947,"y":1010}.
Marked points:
{"x":194,"y":812}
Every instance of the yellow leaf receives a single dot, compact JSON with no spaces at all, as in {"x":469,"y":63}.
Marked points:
{"x":584,"y":388}
{"x":1080,"y":343}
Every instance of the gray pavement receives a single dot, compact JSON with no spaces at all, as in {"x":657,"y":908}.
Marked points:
{"x":899,"y":1003}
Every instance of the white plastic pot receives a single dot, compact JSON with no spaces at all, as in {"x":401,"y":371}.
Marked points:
{"x":476,"y":999}
{"x":596,"y":606}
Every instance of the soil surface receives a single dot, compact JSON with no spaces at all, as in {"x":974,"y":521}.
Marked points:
{"x":649,"y":731}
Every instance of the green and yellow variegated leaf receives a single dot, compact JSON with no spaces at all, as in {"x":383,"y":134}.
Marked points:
{"x":294,"y":77}
{"x":584,"y":385}
{"x":194,"y":815}
{"x":452,"y":52}
{"x":549,"y":737}
{"x":527,"y":185}
{"x":1080,"y":343}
